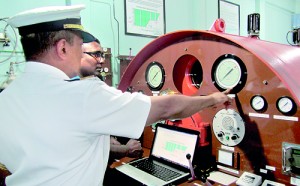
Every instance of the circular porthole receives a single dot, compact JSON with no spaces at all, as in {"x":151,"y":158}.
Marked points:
{"x":187,"y":74}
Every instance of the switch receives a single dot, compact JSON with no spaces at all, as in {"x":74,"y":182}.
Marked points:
{"x":234,"y":137}
{"x":220,"y":134}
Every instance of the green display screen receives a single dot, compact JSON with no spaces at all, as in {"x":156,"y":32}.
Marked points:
{"x":296,"y":151}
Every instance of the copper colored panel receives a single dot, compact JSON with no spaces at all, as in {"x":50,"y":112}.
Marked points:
{"x":270,"y":71}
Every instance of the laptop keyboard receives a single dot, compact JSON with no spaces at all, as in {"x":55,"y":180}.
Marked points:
{"x":155,"y":169}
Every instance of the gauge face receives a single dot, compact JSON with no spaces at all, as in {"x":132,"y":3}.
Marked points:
{"x":155,"y":76}
{"x":286,"y":105}
{"x":229,"y":72}
{"x":258,"y":103}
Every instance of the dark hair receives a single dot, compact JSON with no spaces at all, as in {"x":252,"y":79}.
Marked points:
{"x":36,"y":44}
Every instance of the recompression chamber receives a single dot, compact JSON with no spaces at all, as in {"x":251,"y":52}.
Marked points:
{"x":258,"y":132}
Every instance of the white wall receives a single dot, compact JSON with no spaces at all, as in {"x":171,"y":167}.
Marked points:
{"x":276,"y":19}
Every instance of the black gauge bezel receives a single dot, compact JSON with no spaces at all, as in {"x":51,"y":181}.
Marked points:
{"x":290,"y":112}
{"x":243,"y":78}
{"x":264,"y":108}
{"x":162,"y":81}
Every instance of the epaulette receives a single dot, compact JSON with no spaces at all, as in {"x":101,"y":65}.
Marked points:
{"x":76,"y":78}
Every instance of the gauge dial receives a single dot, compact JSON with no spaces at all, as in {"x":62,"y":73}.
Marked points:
{"x":258,"y":103}
{"x":229,"y":72}
{"x":286,"y":105}
{"x":155,"y":76}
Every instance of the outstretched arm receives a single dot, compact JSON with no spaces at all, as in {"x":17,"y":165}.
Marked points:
{"x":180,"y":106}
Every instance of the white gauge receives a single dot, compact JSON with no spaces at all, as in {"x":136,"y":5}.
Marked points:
{"x":229,"y":72}
{"x":258,"y":103}
{"x":155,"y":76}
{"x":286,"y":105}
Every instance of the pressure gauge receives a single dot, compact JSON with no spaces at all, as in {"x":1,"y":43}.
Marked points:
{"x":286,"y":105}
{"x":229,"y":72}
{"x":258,"y":103}
{"x":155,"y":76}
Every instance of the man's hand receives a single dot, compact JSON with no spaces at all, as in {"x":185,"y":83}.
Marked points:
{"x":222,"y":97}
{"x":114,"y":141}
{"x":134,"y":148}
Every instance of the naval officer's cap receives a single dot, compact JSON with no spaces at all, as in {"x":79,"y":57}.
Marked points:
{"x":49,"y":19}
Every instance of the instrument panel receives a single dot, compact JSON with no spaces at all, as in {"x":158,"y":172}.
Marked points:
{"x":265,"y":110}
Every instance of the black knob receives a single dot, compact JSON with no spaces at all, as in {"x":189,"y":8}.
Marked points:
{"x":220,"y":134}
{"x":234,"y":137}
{"x":188,"y":156}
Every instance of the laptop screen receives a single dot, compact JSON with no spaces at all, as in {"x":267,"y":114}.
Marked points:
{"x":174,"y":143}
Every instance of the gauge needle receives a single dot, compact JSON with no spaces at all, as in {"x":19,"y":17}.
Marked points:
{"x":154,"y":76}
{"x":258,"y":103}
{"x":228,"y":73}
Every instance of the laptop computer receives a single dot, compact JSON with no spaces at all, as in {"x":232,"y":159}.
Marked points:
{"x":169,"y":149}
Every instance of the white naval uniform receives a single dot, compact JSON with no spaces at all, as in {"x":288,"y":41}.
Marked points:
{"x":56,"y":132}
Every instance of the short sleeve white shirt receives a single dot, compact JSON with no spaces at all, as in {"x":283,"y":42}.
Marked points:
{"x":56,"y":132}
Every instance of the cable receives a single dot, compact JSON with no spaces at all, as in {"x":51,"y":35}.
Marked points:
{"x":118,"y":32}
{"x":118,"y":35}
{"x":114,"y":12}
{"x":11,"y":75}
{"x":16,"y":40}
{"x":287,"y":39}
{"x":194,"y":122}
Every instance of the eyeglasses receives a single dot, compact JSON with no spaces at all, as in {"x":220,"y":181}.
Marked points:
{"x":96,"y":54}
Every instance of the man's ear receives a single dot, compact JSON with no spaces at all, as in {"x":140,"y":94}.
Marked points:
{"x":61,"y":48}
